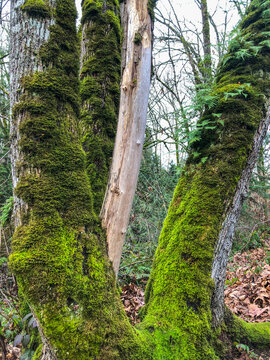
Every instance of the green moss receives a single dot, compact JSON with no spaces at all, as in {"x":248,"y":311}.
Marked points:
{"x":252,"y":334}
{"x":178,"y":295}
{"x":38,"y":353}
{"x":151,"y":6}
{"x":37,"y":8}
{"x":100,"y":89}
{"x":138,"y":38}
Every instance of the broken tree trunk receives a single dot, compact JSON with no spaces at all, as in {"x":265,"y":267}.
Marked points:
{"x":135,"y":84}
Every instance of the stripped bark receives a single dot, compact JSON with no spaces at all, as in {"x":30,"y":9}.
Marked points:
{"x":136,"y":67}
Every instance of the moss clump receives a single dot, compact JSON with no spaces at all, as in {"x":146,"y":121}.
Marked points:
{"x":151,"y":6}
{"x":37,"y":8}
{"x":100,"y":89}
{"x":137,"y":39}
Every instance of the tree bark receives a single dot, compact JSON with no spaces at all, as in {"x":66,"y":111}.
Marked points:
{"x":100,"y":89}
{"x":207,"y":65}
{"x":26,"y":37}
{"x":226,"y":235}
{"x":136,"y":74}
{"x":181,"y":296}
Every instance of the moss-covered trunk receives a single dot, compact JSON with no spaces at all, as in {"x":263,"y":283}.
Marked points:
{"x":184,"y":307}
{"x":59,"y":251}
{"x":100,"y":89}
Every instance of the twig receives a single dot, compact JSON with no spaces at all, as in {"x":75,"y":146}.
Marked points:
{"x":4,"y":155}
{"x":4,"y":237}
{"x":4,"y":315}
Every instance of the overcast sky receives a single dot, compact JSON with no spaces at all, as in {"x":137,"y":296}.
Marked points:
{"x":187,"y":9}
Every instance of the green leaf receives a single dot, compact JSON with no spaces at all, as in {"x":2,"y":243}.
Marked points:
{"x":265,"y":43}
{"x":203,"y":160}
{"x":221,"y":122}
{"x":196,"y":154}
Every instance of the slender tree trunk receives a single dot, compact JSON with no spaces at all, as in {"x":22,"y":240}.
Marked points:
{"x":136,"y":73}
{"x":100,"y":89}
{"x":207,"y":65}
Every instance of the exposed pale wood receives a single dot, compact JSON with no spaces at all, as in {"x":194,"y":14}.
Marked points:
{"x":226,"y":236}
{"x":136,"y":67}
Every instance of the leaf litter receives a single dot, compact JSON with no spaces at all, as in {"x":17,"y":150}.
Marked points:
{"x":247,"y":293}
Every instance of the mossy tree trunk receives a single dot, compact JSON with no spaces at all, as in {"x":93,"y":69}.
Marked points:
{"x":100,"y":89}
{"x":182,"y":296}
{"x":59,"y":252}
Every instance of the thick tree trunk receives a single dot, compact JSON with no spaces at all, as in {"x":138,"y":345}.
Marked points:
{"x":26,"y":37}
{"x":135,"y":85}
{"x":226,"y":235}
{"x":59,"y":252}
{"x":196,"y":238}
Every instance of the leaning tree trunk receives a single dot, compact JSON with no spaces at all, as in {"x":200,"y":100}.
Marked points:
{"x":59,"y":251}
{"x":100,"y":92}
{"x":185,"y":301}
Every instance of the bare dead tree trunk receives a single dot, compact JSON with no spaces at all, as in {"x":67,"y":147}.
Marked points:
{"x":136,"y":73}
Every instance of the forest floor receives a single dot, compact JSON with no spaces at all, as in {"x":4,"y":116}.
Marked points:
{"x":247,"y":294}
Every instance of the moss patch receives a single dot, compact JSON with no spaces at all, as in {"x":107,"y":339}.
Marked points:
{"x":37,"y":8}
{"x":252,"y":334}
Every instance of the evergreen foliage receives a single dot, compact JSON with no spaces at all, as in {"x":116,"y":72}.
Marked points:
{"x":153,"y":195}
